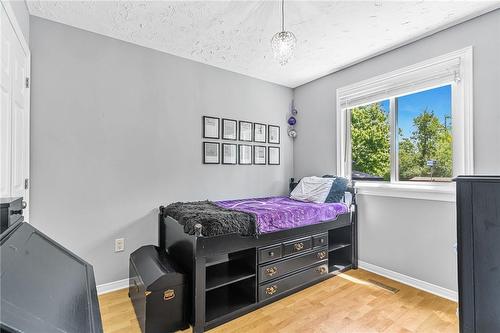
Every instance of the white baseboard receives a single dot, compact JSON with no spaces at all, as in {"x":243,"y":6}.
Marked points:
{"x":416,"y":283}
{"x":112,"y":286}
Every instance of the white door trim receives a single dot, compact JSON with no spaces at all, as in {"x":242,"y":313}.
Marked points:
{"x":17,"y":28}
{"x":24,"y":45}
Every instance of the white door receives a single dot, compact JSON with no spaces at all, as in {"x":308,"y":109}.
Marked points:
{"x":15,"y":116}
{"x":5,"y":105}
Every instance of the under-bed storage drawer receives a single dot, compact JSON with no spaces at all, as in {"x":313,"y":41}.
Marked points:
{"x":278,"y":269}
{"x":297,"y":245}
{"x":272,"y":289}
{"x":320,"y":240}
{"x":270,"y":253}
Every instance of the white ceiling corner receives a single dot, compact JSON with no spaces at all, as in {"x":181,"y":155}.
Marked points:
{"x":235,"y":35}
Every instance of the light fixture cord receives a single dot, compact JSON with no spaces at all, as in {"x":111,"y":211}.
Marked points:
{"x":282,"y":15}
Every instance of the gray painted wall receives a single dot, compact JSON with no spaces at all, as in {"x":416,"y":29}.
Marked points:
{"x":116,"y":131}
{"x":22,"y":16}
{"x":412,"y":237}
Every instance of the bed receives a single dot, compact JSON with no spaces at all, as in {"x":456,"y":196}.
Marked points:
{"x":287,"y":247}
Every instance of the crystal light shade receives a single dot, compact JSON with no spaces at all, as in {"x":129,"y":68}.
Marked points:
{"x":283,"y":44}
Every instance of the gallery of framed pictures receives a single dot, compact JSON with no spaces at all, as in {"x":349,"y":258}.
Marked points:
{"x":228,"y":153}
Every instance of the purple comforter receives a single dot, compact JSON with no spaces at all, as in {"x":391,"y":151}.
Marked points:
{"x":280,"y":213}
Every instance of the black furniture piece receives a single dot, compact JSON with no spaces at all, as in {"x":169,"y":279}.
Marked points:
{"x":45,"y":288}
{"x":231,"y":275}
{"x":11,"y":211}
{"x":478,"y":236}
{"x":158,"y":291}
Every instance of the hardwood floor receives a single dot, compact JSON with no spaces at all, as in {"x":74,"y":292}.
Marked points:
{"x":356,"y":301}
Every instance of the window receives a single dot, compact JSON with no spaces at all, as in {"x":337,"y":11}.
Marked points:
{"x":424,"y":135}
{"x":409,"y":132}
{"x":424,"y":138}
{"x":370,"y":142}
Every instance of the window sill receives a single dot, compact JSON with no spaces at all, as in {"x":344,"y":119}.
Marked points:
{"x":422,"y":191}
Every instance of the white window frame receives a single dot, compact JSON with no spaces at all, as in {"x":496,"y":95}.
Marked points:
{"x":454,"y":68}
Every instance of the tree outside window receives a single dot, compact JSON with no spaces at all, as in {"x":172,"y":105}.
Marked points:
{"x":370,"y":142}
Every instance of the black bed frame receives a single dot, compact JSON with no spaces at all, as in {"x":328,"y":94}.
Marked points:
{"x":225,"y":269}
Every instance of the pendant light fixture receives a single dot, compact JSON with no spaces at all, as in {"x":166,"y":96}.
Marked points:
{"x":283,"y":43}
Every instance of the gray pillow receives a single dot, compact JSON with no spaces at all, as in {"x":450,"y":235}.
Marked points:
{"x":338,"y":189}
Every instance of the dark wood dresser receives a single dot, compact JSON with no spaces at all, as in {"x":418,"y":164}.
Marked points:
{"x":478,"y":236}
{"x":285,"y":266}
{"x":45,"y":288}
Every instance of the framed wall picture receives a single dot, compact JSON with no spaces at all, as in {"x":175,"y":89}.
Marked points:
{"x":211,"y":154}
{"x":273,"y":134}
{"x":245,"y":131}
{"x":229,"y":129}
{"x":245,"y":154}
{"x":259,"y":155}
{"x":273,"y":155}
{"x":259,"y":132}
{"x":211,"y":127}
{"x":229,"y":153}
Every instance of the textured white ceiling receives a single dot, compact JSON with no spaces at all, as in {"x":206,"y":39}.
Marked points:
{"x":235,"y":35}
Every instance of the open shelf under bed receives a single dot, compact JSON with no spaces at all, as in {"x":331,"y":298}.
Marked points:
{"x":228,"y":272}
{"x":230,"y":298}
{"x":340,"y":250}
{"x":337,"y":246}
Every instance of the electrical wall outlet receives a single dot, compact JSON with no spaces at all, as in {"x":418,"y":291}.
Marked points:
{"x":119,"y":244}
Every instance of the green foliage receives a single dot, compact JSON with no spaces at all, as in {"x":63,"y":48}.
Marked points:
{"x":370,"y":140}
{"x":426,"y":135}
{"x":444,"y":155}
{"x":430,"y":140}
{"x":408,"y":165}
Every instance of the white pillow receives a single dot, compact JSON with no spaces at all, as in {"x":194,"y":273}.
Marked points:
{"x":312,"y":189}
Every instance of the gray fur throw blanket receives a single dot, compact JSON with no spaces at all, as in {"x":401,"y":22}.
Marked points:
{"x":215,"y":220}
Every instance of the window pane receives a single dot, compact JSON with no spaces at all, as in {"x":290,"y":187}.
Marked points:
{"x":424,"y":135}
{"x":370,"y":130}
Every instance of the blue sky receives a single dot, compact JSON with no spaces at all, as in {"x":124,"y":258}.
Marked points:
{"x":410,"y":106}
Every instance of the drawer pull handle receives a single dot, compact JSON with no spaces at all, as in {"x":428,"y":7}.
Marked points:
{"x":168,"y":294}
{"x":321,"y":270}
{"x":271,"y":253}
{"x":298,"y":246}
{"x":321,"y":240}
{"x":322,"y":255}
{"x":271,"y":271}
{"x":271,"y":290}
